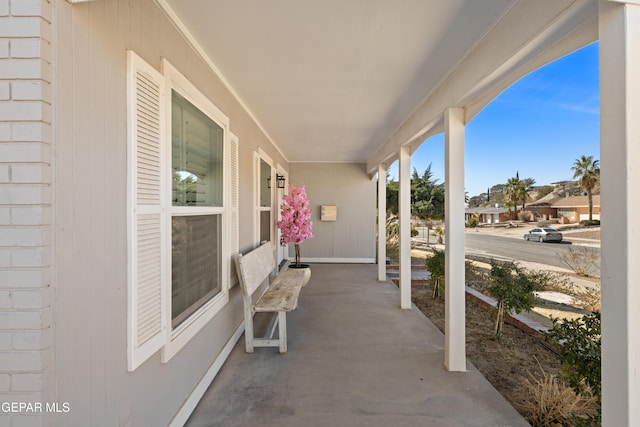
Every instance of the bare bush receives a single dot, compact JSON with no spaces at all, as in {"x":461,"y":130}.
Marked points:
{"x":589,"y":299}
{"x":525,"y":216}
{"x":586,"y":298}
{"x":393,"y":232}
{"x":582,"y":260}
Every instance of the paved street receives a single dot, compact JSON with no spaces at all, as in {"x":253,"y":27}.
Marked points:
{"x":519,"y":249}
{"x":511,"y":244}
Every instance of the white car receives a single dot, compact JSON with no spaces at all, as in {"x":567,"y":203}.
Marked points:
{"x":543,"y":235}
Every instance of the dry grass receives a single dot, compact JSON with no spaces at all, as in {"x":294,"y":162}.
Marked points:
{"x":505,"y":364}
{"x":548,"y":402}
{"x":586,"y":298}
{"x":508,"y":364}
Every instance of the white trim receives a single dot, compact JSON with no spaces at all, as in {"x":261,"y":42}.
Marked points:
{"x":177,"y":80}
{"x":200,"y":389}
{"x":404,"y":216}
{"x":232,"y":205}
{"x":180,"y":336}
{"x":337,"y":260}
{"x":267,"y":158}
{"x":455,"y":345}
{"x":382,"y":223}
{"x":328,"y":161}
{"x":182,"y":28}
{"x":636,"y":2}
{"x":259,"y":155}
{"x":138,"y":353}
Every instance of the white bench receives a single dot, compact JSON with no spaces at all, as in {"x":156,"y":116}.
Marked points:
{"x":280,"y":296}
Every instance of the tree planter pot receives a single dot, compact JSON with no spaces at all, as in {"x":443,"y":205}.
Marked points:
{"x":307,"y":273}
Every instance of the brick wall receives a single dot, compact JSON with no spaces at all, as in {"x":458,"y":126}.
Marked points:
{"x":26,"y":295}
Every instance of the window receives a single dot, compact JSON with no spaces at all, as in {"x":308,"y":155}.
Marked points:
{"x":264,"y":196}
{"x":197,"y":181}
{"x":265,"y":201}
{"x":183,"y":221}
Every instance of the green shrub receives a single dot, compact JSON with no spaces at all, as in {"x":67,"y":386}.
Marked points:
{"x":435,"y":265}
{"x":414,"y":232}
{"x":514,"y":290}
{"x":580,"y":353}
{"x":472,"y":222}
{"x":439,"y":232}
{"x":587,"y":223}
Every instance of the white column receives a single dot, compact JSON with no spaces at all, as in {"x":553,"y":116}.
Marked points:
{"x":455,"y":349}
{"x":404,"y":212}
{"x":382,"y":223}
{"x":619,"y":34}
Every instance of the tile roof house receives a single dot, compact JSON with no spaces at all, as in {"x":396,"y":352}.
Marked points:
{"x":576,"y":208}
{"x":569,"y":210}
{"x":139,"y":141}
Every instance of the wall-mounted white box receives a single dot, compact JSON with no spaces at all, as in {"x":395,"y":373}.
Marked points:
{"x":328,"y":213}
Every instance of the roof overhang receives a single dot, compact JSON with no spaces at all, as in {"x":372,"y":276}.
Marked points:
{"x":353,"y":81}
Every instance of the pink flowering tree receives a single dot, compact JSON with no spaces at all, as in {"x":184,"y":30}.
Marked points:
{"x":296,"y":219}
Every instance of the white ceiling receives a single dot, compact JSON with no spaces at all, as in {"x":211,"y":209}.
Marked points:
{"x":333,"y":80}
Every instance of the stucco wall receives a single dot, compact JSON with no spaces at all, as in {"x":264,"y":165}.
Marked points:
{"x":352,"y":237}
{"x":91,"y":211}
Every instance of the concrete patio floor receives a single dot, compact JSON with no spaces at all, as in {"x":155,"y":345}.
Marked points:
{"x":354,"y":359}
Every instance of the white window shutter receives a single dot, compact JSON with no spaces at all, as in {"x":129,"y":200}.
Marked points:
{"x":145,"y":324}
{"x":235,"y":230}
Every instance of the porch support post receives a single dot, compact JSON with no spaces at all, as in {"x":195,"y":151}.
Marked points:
{"x":619,"y":34}
{"x":382,"y":223}
{"x":455,"y":347}
{"x":404,"y":212}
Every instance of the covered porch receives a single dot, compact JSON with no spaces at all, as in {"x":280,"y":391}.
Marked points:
{"x":353,"y":359}
{"x":326,"y":94}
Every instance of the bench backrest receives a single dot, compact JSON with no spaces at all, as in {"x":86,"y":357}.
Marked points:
{"x":254,"y":267}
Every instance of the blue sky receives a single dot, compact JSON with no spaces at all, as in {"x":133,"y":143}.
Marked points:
{"x":537,"y":127}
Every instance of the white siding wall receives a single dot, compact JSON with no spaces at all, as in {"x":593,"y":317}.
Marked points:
{"x":90,"y":215}
{"x":26,"y":353}
{"x":352,"y":237}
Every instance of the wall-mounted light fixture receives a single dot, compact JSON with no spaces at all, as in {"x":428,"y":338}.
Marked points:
{"x":280,"y":179}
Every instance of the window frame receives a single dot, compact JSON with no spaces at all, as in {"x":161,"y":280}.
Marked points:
{"x":259,"y":156}
{"x":177,"y":338}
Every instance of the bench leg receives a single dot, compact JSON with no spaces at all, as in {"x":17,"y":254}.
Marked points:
{"x":248,"y":330}
{"x":282,"y":330}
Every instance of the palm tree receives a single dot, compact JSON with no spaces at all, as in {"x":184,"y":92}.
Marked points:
{"x":512,"y":195}
{"x":508,"y":203}
{"x":587,"y":171}
{"x":524,"y":189}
